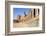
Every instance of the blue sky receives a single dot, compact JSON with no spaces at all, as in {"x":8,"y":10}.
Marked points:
{"x":19,"y":11}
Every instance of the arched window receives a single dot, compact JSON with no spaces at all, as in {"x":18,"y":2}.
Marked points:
{"x":34,"y":12}
{"x":38,"y":11}
{"x":19,"y":17}
{"x":31,"y":14}
{"x":25,"y":14}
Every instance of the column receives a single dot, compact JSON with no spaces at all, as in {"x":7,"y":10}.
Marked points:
{"x":36,"y":12}
{"x":32,"y":13}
